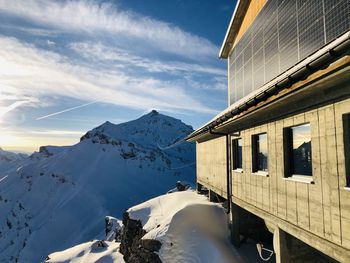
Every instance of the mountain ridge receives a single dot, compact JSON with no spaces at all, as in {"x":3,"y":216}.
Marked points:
{"x":113,"y":167}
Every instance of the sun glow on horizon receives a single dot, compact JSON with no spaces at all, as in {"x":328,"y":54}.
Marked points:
{"x":30,"y":142}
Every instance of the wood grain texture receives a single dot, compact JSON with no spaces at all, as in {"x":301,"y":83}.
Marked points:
{"x":321,"y":208}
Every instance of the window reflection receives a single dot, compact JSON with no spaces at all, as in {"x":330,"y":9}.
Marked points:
{"x":301,"y":161}
{"x":237,"y":154}
{"x":260,"y":154}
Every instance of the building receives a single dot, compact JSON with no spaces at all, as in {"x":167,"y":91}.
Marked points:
{"x":280,"y":153}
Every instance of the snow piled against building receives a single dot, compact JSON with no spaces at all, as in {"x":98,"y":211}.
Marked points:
{"x":190,"y":228}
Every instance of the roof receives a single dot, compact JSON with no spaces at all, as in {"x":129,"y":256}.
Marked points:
{"x":233,"y":28}
{"x":316,"y":61}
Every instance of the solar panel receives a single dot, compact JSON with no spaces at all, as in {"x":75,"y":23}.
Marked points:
{"x":283,"y":33}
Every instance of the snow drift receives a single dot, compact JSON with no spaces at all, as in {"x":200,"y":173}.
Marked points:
{"x":190,"y":228}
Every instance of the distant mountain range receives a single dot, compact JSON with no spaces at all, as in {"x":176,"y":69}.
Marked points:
{"x":57,"y":197}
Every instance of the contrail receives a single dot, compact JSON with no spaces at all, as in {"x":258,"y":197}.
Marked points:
{"x":66,"y":110}
{"x":13,"y":106}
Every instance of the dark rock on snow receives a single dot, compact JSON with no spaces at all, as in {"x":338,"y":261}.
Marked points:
{"x":133,"y":247}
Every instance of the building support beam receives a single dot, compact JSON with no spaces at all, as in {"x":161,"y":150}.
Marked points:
{"x":235,"y":236}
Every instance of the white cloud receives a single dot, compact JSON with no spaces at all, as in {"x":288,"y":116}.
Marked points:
{"x":92,"y":17}
{"x":11,"y":107}
{"x":65,"y":133}
{"x":101,"y":52}
{"x":32,"y":73}
{"x":50,"y":43}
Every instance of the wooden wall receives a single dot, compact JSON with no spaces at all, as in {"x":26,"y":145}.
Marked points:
{"x":253,"y":10}
{"x":323,"y":207}
{"x":211,"y":165}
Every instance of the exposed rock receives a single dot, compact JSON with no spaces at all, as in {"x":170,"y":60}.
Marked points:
{"x":45,"y":152}
{"x":133,"y":247}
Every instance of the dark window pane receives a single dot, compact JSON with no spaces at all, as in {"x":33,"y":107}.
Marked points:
{"x":301,"y":162}
{"x":346,"y":125}
{"x":260,"y":155}
{"x":237,"y":154}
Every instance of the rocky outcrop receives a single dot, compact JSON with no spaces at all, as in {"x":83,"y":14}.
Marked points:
{"x":133,"y":247}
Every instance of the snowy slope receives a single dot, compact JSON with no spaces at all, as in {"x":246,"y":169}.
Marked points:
{"x":58,"y":197}
{"x":9,"y":159}
{"x":190,"y":228}
{"x":89,"y":252}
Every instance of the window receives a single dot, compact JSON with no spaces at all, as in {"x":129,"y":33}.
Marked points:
{"x":297,"y":150}
{"x":346,"y":132}
{"x":237,"y":162}
{"x":259,"y":152}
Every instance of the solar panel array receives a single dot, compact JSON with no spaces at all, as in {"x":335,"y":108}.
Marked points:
{"x":283,"y":33}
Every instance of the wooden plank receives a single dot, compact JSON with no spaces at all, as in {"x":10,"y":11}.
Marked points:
{"x":272,"y":167}
{"x":281,"y":184}
{"x":266,"y":193}
{"x":247,"y":176}
{"x":340,"y":109}
{"x":303,"y":206}
{"x":211,"y":163}
{"x":252,"y":11}
{"x":291,"y":191}
{"x":325,"y":186}
{"x":244,"y":174}
{"x":330,"y":182}
{"x":315,"y":190}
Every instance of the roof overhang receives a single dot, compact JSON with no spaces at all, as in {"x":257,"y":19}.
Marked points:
{"x":235,"y":23}
{"x":320,"y":59}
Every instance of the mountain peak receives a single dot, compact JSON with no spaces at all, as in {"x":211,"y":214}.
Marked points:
{"x":152,"y":128}
{"x":154,"y":112}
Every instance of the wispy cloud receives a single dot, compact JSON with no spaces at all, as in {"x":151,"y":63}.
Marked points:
{"x":56,"y":132}
{"x":29,"y":72}
{"x":109,"y":54}
{"x":7,"y":109}
{"x":91,"y":17}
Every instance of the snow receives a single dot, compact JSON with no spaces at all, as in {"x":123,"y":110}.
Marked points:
{"x":9,"y":159}
{"x":88,"y":252}
{"x":190,"y":228}
{"x":58,"y":197}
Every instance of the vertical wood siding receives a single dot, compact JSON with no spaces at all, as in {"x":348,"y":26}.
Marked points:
{"x":323,"y":207}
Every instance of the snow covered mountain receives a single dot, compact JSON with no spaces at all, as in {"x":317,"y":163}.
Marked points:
{"x":9,"y":159}
{"x":57,"y":197}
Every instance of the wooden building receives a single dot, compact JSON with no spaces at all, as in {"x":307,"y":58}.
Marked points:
{"x":280,"y":153}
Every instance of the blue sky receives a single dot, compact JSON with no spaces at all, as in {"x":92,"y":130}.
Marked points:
{"x":68,"y":66}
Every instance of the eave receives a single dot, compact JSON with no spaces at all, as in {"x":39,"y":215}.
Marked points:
{"x":235,"y":23}
{"x":321,"y":59}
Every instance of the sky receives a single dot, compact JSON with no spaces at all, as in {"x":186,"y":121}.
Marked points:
{"x":69,"y":66}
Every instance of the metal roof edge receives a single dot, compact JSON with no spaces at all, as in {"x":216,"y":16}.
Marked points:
{"x":238,"y":9}
{"x":324,"y":56}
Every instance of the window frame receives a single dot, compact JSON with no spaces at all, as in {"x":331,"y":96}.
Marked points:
{"x":234,"y":154}
{"x":255,"y":157}
{"x":288,"y":155}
